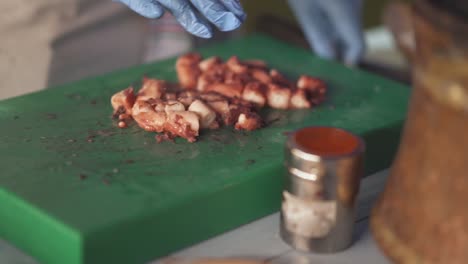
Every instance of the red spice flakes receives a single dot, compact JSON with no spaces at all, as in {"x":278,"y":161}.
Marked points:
{"x":106,"y":181}
{"x":250,"y":161}
{"x":51,"y":116}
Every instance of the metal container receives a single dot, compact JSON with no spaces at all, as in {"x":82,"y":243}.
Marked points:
{"x":324,"y":167}
{"x":422,"y":216}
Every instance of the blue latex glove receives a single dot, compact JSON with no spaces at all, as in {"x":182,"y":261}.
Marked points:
{"x":332,"y":27}
{"x":194,"y":15}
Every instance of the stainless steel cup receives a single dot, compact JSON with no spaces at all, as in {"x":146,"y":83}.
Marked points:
{"x":324,"y":167}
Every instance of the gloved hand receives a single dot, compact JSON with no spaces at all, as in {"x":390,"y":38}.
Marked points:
{"x":332,"y":27}
{"x":226,"y":15}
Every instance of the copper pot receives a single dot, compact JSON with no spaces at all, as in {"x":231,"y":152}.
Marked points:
{"x":422,"y":216}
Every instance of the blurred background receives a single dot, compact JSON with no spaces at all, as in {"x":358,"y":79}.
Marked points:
{"x":60,"y":41}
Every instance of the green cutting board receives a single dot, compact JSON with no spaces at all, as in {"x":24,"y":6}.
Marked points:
{"x":74,"y":188}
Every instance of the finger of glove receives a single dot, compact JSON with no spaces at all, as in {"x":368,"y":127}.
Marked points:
{"x":235,"y":7}
{"x":146,"y":8}
{"x":315,"y":26}
{"x":345,"y":16}
{"x":218,"y":14}
{"x":188,"y":18}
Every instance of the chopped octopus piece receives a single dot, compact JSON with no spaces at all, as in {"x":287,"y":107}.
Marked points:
{"x":299,"y":100}
{"x":170,"y":96}
{"x":278,"y":97}
{"x":248,"y":121}
{"x":235,"y":65}
{"x":237,"y":79}
{"x":235,"y":110}
{"x":215,"y":75}
{"x":255,"y":92}
{"x":122,"y":102}
{"x":188,"y":70}
{"x":261,"y":76}
{"x":229,"y":90}
{"x":242,"y":102}
{"x":187,"y":97}
{"x":206,"y":114}
{"x":183,"y":124}
{"x":151,"y":89}
{"x":279,"y":79}
{"x":209,"y":63}
{"x":211,"y":96}
{"x":186,"y":101}
{"x":204,"y":80}
{"x":310,"y":83}
{"x":147,"y":118}
{"x":221,"y":107}
{"x":174,"y":106}
{"x":158,"y":105}
{"x":188,"y":93}
{"x":315,"y":87}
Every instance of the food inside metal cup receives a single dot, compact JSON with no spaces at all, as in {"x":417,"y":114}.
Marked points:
{"x":326,"y":142}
